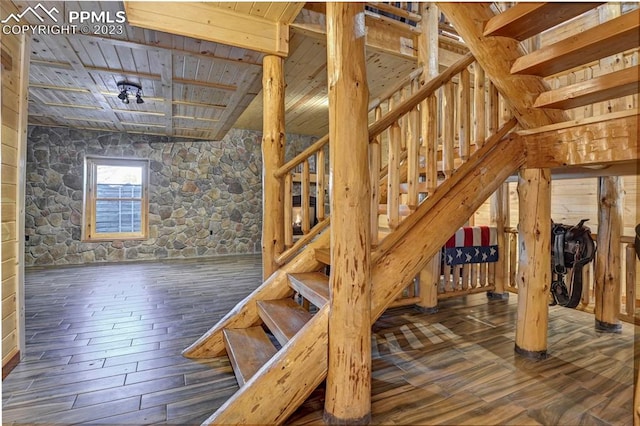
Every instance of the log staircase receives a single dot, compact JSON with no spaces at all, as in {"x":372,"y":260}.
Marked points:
{"x":278,"y":371}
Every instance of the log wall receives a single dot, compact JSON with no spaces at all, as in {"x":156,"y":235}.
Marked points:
{"x":15,"y":71}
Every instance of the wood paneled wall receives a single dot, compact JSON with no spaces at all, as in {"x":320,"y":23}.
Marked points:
{"x":573,"y":200}
{"x":15,"y":63}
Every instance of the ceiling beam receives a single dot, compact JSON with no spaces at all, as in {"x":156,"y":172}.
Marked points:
{"x":381,"y":38}
{"x":208,"y":22}
{"x":160,"y":46}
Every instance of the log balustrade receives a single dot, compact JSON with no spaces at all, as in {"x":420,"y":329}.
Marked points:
{"x":629,"y":282}
{"x":398,"y":179}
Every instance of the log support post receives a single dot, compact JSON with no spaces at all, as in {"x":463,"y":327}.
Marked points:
{"x":273,"y":148}
{"x":429,"y":280}
{"x":348,"y":394}
{"x":428,"y":58}
{"x":534,"y":274}
{"x":608,"y":266}
{"x":500,"y":219}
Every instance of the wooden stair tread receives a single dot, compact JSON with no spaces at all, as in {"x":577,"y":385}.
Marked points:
{"x":248,"y":349}
{"x":525,"y":20}
{"x":313,"y":286}
{"x":284,"y":317}
{"x":609,"y":86}
{"x":323,"y":256}
{"x":611,"y":37}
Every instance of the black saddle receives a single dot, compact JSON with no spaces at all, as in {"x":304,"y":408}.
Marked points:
{"x":572,"y":247}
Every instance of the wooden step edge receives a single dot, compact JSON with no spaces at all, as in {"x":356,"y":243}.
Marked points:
{"x":602,"y":88}
{"x":283,"y":317}
{"x":323,"y":256}
{"x":248,"y":350}
{"x":313,"y":286}
{"x":617,"y":35}
{"x":524,"y":20}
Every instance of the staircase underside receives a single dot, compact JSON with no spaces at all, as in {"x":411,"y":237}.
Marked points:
{"x":301,"y":365}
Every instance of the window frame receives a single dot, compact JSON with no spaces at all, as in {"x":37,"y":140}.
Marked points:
{"x":89,"y":199}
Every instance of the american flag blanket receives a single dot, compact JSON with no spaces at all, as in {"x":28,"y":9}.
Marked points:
{"x":472,"y":244}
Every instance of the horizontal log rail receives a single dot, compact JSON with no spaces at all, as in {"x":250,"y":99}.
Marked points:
{"x":290,"y":253}
{"x":425,"y":91}
{"x":395,"y":10}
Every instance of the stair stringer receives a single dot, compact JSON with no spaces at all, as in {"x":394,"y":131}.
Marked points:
{"x":245,"y":313}
{"x":403,"y":253}
{"x":283,"y":383}
{"x":301,"y":365}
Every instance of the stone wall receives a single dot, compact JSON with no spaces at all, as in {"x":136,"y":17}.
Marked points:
{"x":205,"y":197}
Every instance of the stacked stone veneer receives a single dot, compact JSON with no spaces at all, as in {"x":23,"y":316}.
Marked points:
{"x":205,"y":198}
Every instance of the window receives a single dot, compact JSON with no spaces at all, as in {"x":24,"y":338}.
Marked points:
{"x":115,"y":199}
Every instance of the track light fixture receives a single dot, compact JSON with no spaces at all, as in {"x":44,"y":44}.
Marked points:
{"x":127,"y":88}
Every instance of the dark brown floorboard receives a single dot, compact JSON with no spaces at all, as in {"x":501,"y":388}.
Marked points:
{"x":104,"y":343}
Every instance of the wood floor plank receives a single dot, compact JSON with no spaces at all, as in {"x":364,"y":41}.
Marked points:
{"x":453,"y":367}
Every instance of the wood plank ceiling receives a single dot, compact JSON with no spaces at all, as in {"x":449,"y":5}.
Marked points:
{"x":192,"y":88}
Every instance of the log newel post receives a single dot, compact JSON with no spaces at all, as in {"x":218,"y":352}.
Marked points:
{"x":534,"y":274}
{"x":348,"y":390}
{"x":608,"y":259}
{"x":273,"y":148}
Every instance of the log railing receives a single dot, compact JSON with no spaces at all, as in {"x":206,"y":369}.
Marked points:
{"x":629,"y":295}
{"x":408,"y":129}
{"x":313,"y":180}
{"x":425,"y":130}
{"x":455,"y":281}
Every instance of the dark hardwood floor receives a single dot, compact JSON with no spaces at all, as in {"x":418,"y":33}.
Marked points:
{"x":104,"y":343}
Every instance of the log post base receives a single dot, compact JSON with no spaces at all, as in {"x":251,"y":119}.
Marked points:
{"x":332,"y":420}
{"x":605,"y":327}
{"x":497,"y":296}
{"x":427,"y":309}
{"x":538,"y":355}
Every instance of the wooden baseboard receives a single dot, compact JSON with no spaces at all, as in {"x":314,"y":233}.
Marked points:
{"x":10,"y":365}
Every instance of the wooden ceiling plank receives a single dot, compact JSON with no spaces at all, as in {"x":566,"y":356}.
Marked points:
{"x":608,"y":38}
{"x":111,"y":72}
{"x":525,"y":20}
{"x":166,"y":73}
{"x":66,"y":51}
{"x":195,"y":20}
{"x":608,"y":86}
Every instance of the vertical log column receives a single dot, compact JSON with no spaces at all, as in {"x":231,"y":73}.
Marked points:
{"x":273,"y":141}
{"x":348,"y":394}
{"x":608,"y":268}
{"x":500,"y":219}
{"x":534,"y":274}
{"x":428,"y":59}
